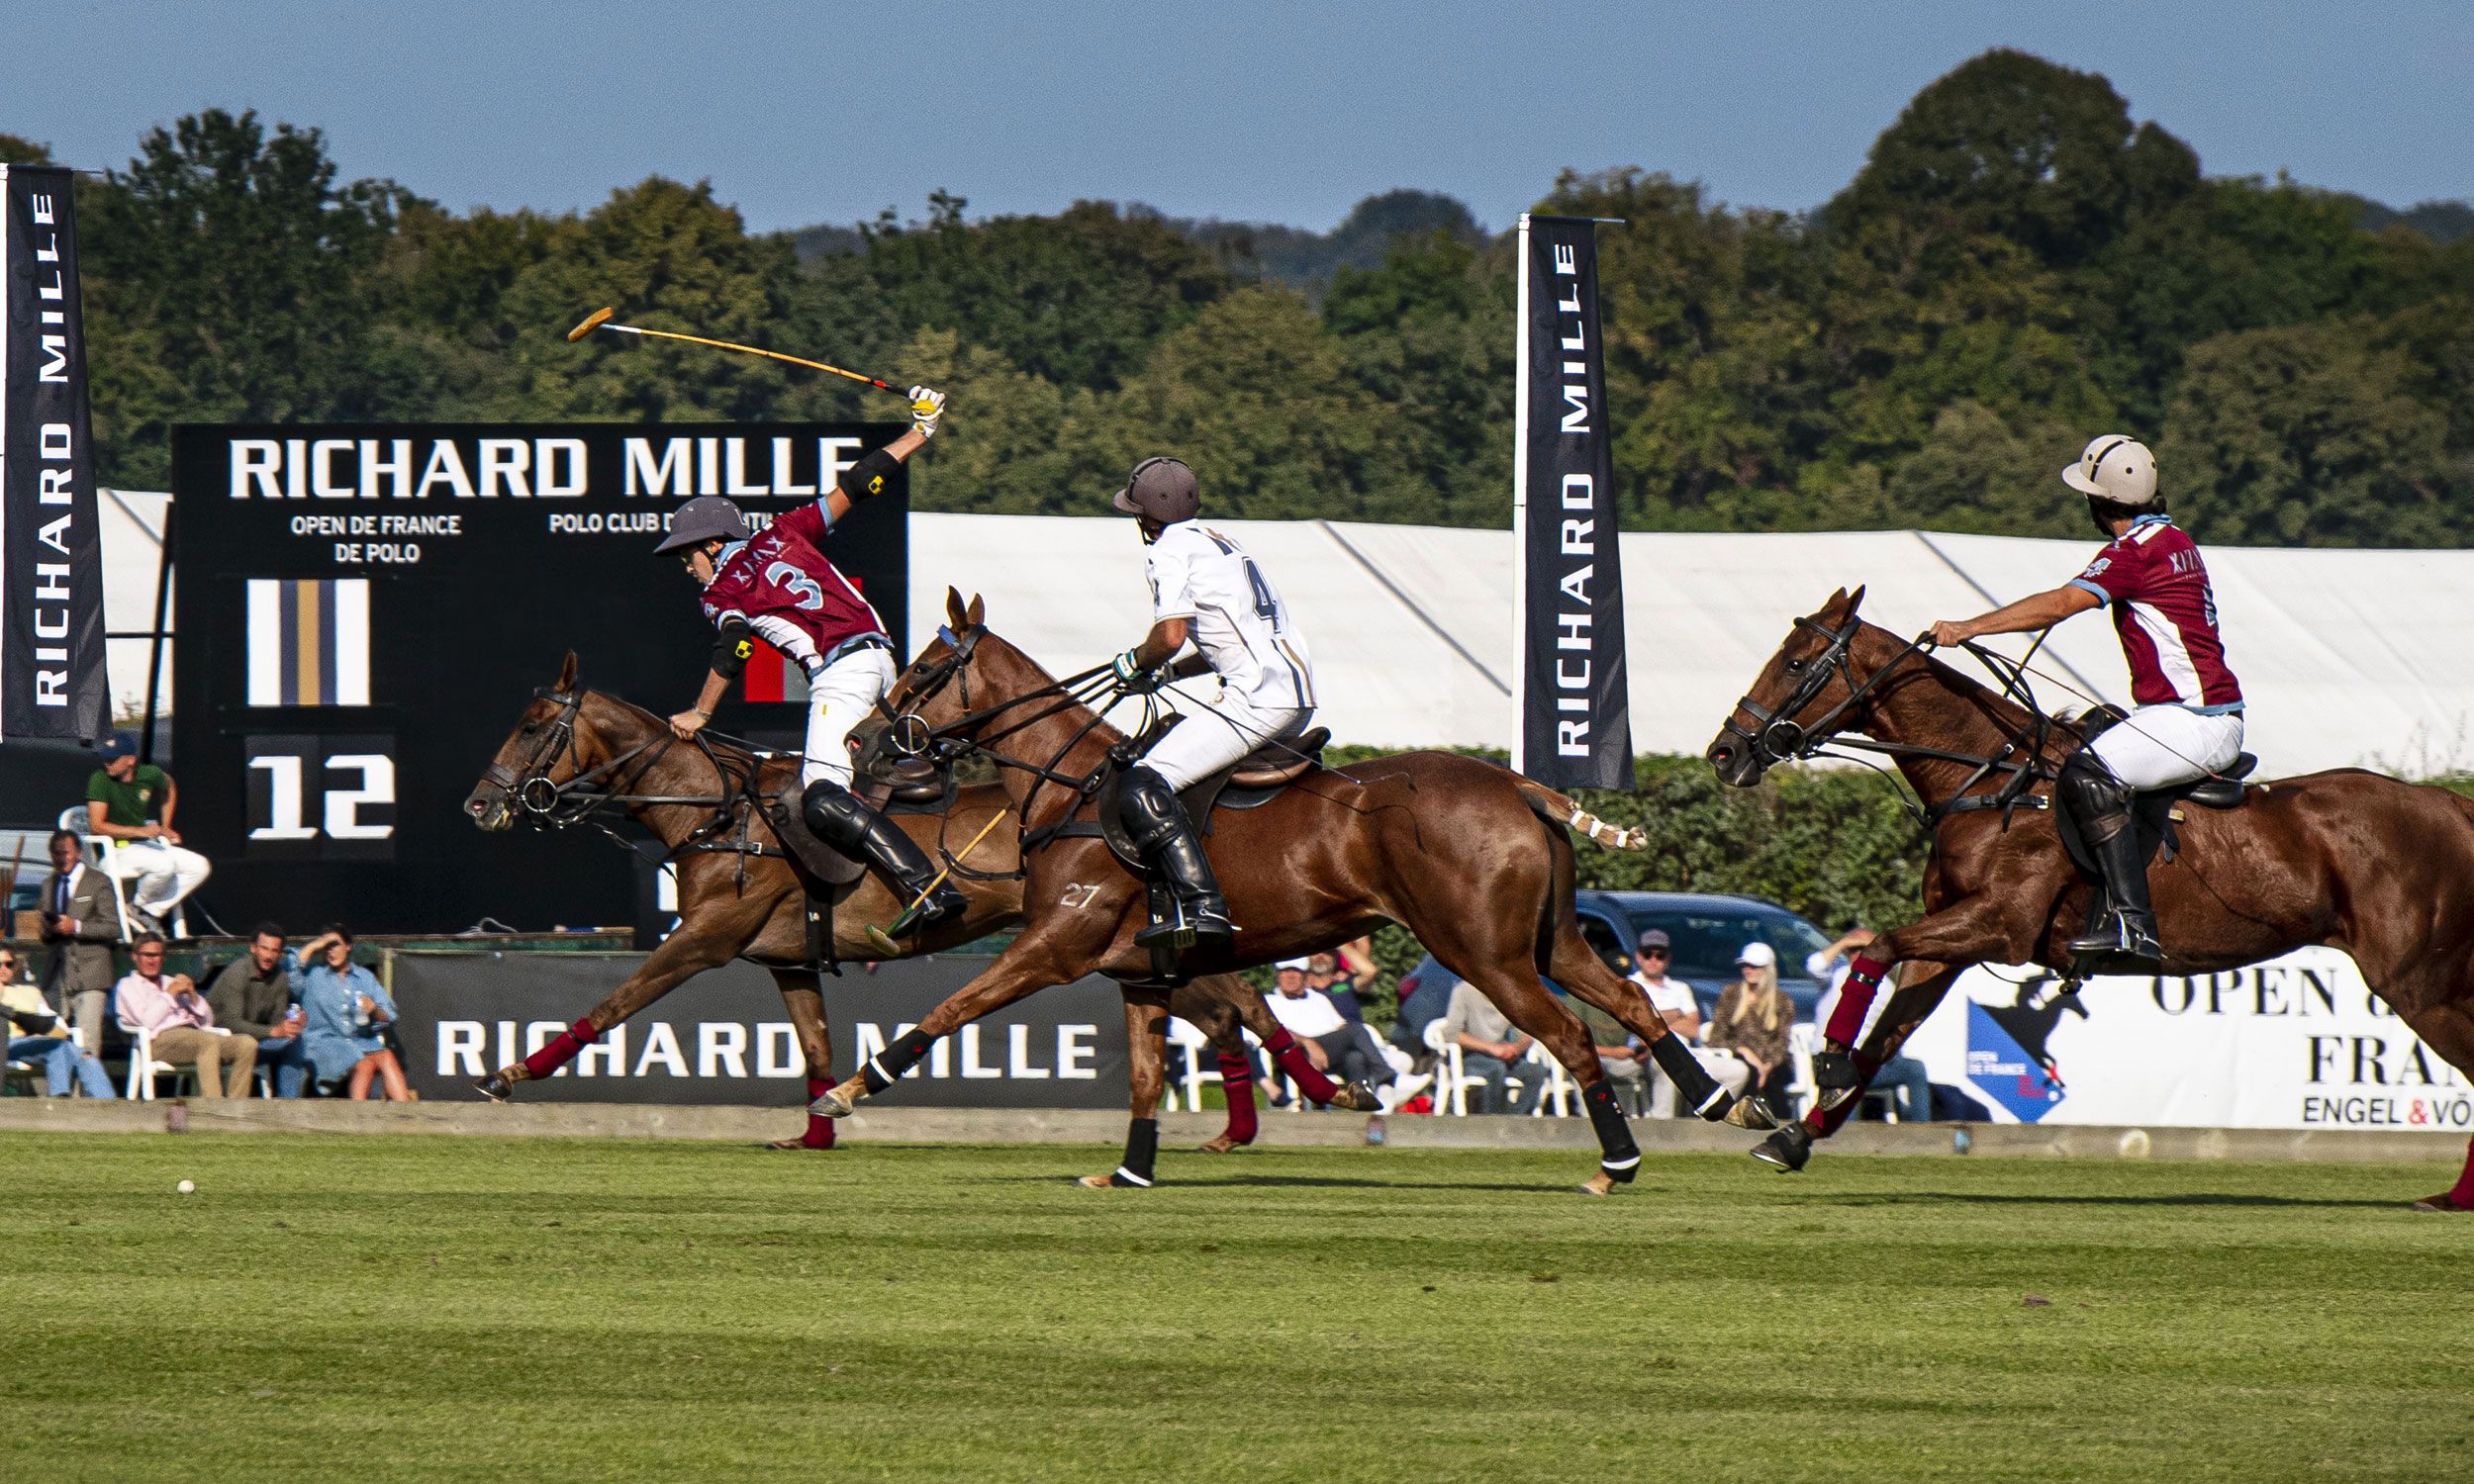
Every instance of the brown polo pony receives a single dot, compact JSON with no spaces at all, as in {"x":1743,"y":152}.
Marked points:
{"x":2381,"y":869}
{"x":572,"y":745}
{"x":1469,"y":857}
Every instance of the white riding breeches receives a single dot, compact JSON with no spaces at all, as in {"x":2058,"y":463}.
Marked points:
{"x":160,"y":875}
{"x":839,"y":698}
{"x":1212,"y":737}
{"x":2157,"y":747}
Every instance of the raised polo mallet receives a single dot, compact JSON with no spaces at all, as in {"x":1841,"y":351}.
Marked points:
{"x":601,"y":318}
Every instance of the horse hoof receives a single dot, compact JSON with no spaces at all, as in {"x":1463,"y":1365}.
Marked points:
{"x":1752,"y":1114}
{"x":1600,"y":1184}
{"x":1355,"y":1097}
{"x":2442,"y":1204}
{"x":496,"y":1087}
{"x":1223,"y":1144}
{"x":1788,"y":1149}
{"x":833,"y":1103}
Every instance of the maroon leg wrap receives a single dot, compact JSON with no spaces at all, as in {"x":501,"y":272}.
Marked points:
{"x":819,"y":1132}
{"x":1237,"y":1080}
{"x":1312,"y":1086}
{"x":1847,"y":1018}
{"x":561,"y":1050}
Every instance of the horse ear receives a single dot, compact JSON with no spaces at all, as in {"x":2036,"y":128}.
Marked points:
{"x":978,"y":611}
{"x":955,"y":617}
{"x":1856,"y":600}
{"x":567,"y":674}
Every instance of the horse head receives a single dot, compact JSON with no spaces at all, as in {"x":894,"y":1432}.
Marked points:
{"x":552,"y":742}
{"x":1805,"y":694}
{"x":936,"y":692}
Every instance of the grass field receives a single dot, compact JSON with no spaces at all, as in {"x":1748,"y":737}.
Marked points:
{"x":379,"y":1308}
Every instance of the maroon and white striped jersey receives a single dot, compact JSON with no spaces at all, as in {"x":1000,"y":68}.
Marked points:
{"x":788,"y":591}
{"x":2166,"y":614}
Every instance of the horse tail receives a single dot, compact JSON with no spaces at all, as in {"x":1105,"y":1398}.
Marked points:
{"x":1558,"y":810}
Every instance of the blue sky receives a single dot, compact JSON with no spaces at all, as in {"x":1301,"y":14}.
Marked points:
{"x":1271,"y":112}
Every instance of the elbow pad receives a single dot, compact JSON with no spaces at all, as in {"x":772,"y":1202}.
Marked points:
{"x":868,"y":476}
{"x":731,"y":649}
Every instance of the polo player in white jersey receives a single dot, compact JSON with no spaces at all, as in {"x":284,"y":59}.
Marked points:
{"x":1206,"y":588}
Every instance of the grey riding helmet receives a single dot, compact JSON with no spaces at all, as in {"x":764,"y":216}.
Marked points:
{"x":1160,"y":490}
{"x":707,"y":517}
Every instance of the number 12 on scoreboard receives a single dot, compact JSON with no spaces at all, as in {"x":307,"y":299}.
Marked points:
{"x":329,"y":797}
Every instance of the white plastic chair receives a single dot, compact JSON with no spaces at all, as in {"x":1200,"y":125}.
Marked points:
{"x":1187,"y":1090}
{"x":144,"y":1069}
{"x":1452,"y":1079}
{"x":1558,"y":1088}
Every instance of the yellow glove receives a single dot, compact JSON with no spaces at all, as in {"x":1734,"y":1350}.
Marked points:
{"x":927,"y":406}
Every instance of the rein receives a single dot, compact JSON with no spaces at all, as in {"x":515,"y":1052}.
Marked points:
{"x":1777,"y":738}
{"x":586,"y":792}
{"x":910,"y":736}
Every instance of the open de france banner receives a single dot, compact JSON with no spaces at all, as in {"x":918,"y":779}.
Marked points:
{"x":2299,"y":1042}
{"x":1574,"y":727}
{"x":52,"y":677}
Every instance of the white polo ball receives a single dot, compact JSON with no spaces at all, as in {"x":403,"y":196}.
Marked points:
{"x":188,"y":1187}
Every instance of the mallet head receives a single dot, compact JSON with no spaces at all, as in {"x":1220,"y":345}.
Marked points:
{"x":592,"y":322}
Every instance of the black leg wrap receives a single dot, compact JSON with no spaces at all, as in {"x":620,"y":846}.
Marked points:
{"x":1695,"y":1088}
{"x":1618,"y":1155}
{"x":886,"y":1067}
{"x":1142,"y":1147}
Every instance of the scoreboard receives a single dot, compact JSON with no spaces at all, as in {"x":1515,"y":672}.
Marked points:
{"x":363,"y":610}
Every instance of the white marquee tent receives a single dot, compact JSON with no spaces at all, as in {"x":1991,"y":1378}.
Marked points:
{"x":2347,"y":657}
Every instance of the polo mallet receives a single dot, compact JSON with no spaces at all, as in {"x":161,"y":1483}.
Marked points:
{"x":879,"y":936}
{"x":601,"y":318}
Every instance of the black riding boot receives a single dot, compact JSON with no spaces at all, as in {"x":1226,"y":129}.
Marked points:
{"x":841,"y":819}
{"x":2123,"y":940}
{"x":1151,"y":814}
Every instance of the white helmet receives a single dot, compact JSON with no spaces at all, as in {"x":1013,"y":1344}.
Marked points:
{"x":2115,"y":467}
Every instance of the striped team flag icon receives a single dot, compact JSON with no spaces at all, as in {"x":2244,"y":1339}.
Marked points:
{"x":308,"y":642}
{"x":774,"y":676}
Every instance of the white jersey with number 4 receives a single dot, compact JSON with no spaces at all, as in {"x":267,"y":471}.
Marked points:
{"x":1236,"y":617}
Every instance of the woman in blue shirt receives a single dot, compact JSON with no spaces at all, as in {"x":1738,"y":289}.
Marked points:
{"x":347,"y":1012}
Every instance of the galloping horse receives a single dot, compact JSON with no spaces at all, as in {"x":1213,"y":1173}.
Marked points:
{"x":1467,"y":856}
{"x":2381,"y":869}
{"x":576,"y":751}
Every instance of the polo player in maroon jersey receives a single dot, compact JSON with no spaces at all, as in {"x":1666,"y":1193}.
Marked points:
{"x":779,"y":586}
{"x":2185,"y":722}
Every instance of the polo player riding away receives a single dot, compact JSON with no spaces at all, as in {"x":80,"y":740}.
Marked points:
{"x":1203,"y":588}
{"x":2186,"y":721}
{"x":780,"y":586}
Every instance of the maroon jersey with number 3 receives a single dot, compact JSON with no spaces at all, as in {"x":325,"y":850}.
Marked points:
{"x":787,"y":590}
{"x":2165,"y":612}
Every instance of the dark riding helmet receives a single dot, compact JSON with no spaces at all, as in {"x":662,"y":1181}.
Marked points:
{"x":1160,"y":490}
{"x":707,"y":517}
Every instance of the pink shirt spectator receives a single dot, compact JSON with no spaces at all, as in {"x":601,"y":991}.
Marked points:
{"x":150,"y":1003}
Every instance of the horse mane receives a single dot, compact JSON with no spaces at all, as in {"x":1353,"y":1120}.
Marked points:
{"x":2001,"y":710}
{"x":734,"y":751}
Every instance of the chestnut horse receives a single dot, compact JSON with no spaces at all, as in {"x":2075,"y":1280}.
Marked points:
{"x":2381,"y":869}
{"x":1469,"y":857}
{"x":575,"y":750}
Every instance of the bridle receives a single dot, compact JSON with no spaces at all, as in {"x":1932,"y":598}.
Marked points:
{"x":560,"y":803}
{"x":908,"y":734}
{"x":1777,"y":737}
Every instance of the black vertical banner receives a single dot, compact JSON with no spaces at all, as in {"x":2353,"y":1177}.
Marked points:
{"x":51,"y":674}
{"x":1576,"y":723}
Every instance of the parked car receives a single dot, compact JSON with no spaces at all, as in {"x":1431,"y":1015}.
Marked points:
{"x":1706,"y":932}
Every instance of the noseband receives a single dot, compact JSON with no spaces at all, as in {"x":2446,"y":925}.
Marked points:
{"x":1776,"y":736}
{"x":534,"y":791}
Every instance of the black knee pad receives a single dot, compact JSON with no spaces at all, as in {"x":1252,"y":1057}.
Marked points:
{"x":834,"y":814}
{"x":1147,"y":806}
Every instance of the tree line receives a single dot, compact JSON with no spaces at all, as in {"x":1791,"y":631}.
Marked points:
{"x":2017,"y":268}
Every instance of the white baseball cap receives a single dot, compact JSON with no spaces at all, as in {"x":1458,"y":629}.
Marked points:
{"x":1758,"y":955}
{"x":1295,"y":963}
{"x":2115,"y":467}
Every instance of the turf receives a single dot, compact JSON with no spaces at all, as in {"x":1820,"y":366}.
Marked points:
{"x":376,"y":1308}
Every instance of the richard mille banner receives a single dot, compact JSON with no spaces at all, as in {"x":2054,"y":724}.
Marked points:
{"x":51,"y":676}
{"x":1575,"y":724}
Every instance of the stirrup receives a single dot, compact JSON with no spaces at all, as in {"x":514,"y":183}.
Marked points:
{"x":2125,"y":946}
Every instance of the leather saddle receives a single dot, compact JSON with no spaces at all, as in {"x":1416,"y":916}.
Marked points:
{"x":917,"y":788}
{"x":2154,"y":811}
{"x":1248,"y":784}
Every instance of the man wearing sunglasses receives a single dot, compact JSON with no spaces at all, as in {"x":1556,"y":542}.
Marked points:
{"x":40,"y":1037}
{"x":779,"y":586}
{"x":1675,"y":1002}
